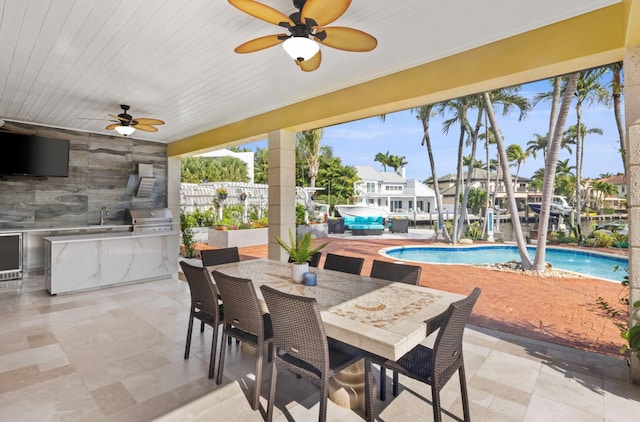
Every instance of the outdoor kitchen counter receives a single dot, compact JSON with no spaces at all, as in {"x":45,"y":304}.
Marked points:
{"x":91,"y":261}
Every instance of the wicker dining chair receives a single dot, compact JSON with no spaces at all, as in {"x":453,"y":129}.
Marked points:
{"x":204,"y":306}
{"x":392,"y":271}
{"x":219,"y":256}
{"x":346,"y":264}
{"x":244,"y":320}
{"x":436,"y":366}
{"x":314,"y":261}
{"x":302,"y":346}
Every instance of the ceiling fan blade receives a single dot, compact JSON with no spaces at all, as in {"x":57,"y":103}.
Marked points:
{"x":146,"y":128}
{"x":312,"y":64}
{"x":122,"y":119}
{"x":348,"y":39}
{"x":259,"y":43}
{"x":261,"y":11}
{"x":324,"y":11}
{"x":112,"y":126}
{"x":148,"y":121}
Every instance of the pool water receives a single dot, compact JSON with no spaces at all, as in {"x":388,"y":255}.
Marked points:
{"x":579,"y":261}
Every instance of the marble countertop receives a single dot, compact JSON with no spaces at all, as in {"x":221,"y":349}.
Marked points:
{"x":383,"y":317}
{"x":105,"y":236}
{"x":61,"y":229}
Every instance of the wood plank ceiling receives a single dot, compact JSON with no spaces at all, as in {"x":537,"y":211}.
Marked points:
{"x":67,"y":62}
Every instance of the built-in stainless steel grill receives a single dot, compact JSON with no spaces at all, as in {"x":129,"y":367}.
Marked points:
{"x":152,"y":220}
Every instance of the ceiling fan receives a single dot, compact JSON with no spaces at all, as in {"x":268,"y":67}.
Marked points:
{"x":307,"y":31}
{"x":126,"y":124}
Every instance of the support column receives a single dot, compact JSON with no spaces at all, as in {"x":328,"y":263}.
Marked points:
{"x":173,"y":190}
{"x":282,"y":190}
{"x":632,"y":118}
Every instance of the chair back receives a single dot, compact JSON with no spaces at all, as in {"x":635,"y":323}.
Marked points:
{"x":409,"y":274}
{"x":241,"y":307}
{"x":447,"y":350}
{"x":314,"y":261}
{"x":219,"y":256}
{"x":298,"y":330}
{"x":202,"y":289}
{"x":346,"y":264}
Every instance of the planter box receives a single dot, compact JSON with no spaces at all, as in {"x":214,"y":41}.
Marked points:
{"x":318,"y":230}
{"x":200,"y":234}
{"x":399,"y":225}
{"x":240,"y":238}
{"x":336,"y":225}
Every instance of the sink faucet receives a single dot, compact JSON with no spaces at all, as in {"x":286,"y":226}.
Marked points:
{"x":104,"y":211}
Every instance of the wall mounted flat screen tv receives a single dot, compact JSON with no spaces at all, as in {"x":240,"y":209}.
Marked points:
{"x":29,"y":155}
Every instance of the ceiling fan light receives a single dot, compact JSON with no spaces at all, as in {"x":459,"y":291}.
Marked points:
{"x":300,"y":48}
{"x":125,"y":130}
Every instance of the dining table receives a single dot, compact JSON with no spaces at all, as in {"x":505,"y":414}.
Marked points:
{"x":382,"y":317}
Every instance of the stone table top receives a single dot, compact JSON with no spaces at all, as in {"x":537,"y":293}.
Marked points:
{"x":382,"y":317}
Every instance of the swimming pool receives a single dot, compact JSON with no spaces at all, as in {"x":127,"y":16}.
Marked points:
{"x":580,"y":261}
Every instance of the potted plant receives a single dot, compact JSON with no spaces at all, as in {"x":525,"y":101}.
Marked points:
{"x":222,"y":193}
{"x":300,"y":251}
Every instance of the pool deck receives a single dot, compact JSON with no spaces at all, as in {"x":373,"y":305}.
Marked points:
{"x":559,"y":310}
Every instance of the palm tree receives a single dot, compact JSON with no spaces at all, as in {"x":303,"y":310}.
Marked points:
{"x":308,"y":147}
{"x":556,"y":123}
{"x":459,"y":108}
{"x":397,"y":162}
{"x":508,"y":99}
{"x":616,"y":94}
{"x":511,"y":199}
{"x":538,"y":144}
{"x":516,"y":157}
{"x":563,"y":168}
{"x":589,"y":90}
{"x":423,"y":114}
{"x":383,"y":159}
{"x":261,"y":166}
{"x":477,"y":164}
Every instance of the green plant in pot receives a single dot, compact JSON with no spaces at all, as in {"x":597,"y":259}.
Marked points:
{"x":300,"y":251}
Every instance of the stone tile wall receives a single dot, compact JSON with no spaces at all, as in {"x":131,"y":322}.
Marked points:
{"x":103,"y":172}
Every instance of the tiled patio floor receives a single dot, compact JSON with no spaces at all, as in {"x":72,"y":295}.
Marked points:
{"x":117,"y":355}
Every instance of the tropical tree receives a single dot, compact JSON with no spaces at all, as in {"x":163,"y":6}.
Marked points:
{"x":539,"y":143}
{"x":213,"y":169}
{"x":383,"y":159}
{"x":477,"y":199}
{"x":589,"y":90}
{"x":602,"y":190}
{"x":308,"y":151}
{"x":565,"y":181}
{"x":477,"y":164}
{"x":556,"y":125}
{"x":338,"y":180}
{"x":397,"y":162}
{"x":458,"y":109}
{"x":261,"y":166}
{"x":423,"y":114}
{"x":616,"y":94}
{"x":508,"y":99}
{"x":511,"y":199}
{"x":575,"y":135}
{"x":516,"y":157}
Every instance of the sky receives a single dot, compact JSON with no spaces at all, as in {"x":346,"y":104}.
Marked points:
{"x":358,"y":142}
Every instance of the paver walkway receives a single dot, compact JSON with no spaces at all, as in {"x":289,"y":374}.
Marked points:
{"x":558,"y":310}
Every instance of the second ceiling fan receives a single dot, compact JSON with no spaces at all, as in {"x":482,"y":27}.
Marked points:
{"x":126,"y":124}
{"x":307,"y":30}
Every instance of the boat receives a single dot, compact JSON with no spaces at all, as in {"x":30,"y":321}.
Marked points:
{"x":559,"y":207}
{"x":361,"y":210}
